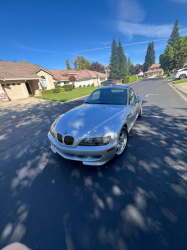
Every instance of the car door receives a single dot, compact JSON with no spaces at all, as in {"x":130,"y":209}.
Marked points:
{"x":131,"y":115}
{"x":136,"y":106}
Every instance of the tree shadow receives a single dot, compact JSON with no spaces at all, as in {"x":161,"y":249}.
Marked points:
{"x":135,"y":202}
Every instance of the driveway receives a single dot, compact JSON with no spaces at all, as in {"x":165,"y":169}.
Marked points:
{"x":137,"y":202}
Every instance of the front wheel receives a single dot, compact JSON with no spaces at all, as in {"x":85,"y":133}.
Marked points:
{"x":122,"y":142}
{"x":182,"y":76}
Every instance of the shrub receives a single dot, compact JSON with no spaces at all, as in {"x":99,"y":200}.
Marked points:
{"x":31,"y":95}
{"x":58,"y":87}
{"x":68,"y":87}
{"x":129,"y":79}
{"x":56,"y":90}
{"x":88,"y":85}
{"x":92,"y":85}
{"x":62,"y":90}
{"x":47,"y":92}
{"x":84,"y":85}
{"x":80,"y":86}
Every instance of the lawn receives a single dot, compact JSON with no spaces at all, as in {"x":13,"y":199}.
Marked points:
{"x":70,"y":95}
{"x":180,"y":81}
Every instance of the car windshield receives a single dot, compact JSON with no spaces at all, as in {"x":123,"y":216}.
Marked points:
{"x":108,"y":96}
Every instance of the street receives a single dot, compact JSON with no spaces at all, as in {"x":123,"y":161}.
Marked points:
{"x":136,"y":202}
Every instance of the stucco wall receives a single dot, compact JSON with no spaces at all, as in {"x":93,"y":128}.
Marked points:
{"x":48,"y":77}
{"x":83,"y":82}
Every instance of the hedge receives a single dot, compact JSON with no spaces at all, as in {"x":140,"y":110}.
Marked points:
{"x":52,"y":91}
{"x":68,"y":87}
{"x":129,"y":79}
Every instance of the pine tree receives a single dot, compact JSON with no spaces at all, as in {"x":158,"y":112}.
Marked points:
{"x":122,"y":61}
{"x":128,"y":65}
{"x":68,"y":65}
{"x":114,"y":64}
{"x":152,"y":52}
{"x":148,"y":60}
{"x":174,"y":35}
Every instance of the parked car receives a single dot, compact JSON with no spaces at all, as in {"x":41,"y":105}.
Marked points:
{"x":146,"y":76}
{"x":97,"y":131}
{"x":109,"y":82}
{"x":180,"y":74}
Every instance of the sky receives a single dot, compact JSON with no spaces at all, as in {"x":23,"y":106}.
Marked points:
{"x":49,"y":32}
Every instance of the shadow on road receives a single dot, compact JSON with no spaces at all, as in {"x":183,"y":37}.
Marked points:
{"x":135,"y":202}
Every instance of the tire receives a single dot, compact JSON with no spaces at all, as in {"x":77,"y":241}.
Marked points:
{"x":141,"y":111}
{"x":182,"y":76}
{"x":125,"y":133}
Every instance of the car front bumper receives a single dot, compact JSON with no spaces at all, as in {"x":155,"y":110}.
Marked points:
{"x":89,"y":155}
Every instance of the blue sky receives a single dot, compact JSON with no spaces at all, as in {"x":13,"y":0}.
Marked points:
{"x":48,"y":32}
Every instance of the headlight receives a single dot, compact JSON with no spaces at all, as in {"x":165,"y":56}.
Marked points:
{"x":52,"y":129}
{"x":98,"y":141}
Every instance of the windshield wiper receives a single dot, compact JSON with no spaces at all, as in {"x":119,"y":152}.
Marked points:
{"x":88,"y":102}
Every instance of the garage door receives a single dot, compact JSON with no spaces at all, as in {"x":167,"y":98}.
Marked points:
{"x":14,"y":91}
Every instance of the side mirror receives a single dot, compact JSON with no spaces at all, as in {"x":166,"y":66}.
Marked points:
{"x":138,"y":99}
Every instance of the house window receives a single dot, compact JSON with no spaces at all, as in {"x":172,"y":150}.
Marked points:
{"x":13,"y":84}
{"x":18,"y":83}
{"x":43,"y":77}
{"x":8,"y":84}
{"x":2,"y":85}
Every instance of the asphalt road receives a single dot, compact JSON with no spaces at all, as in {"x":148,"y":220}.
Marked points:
{"x":137,"y":202}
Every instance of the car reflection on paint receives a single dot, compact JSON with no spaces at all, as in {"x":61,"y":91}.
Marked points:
{"x":97,"y":131}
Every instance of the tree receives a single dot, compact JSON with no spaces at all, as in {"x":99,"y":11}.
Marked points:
{"x":122,"y":61}
{"x":132,"y":70}
{"x":138,"y":68}
{"x":81,"y":63}
{"x":167,"y":59}
{"x":180,"y":58}
{"x":95,"y":66}
{"x":114,"y":63}
{"x":152,"y":53}
{"x":128,"y":65}
{"x":148,"y":59}
{"x":174,"y":35}
{"x":68,"y":67}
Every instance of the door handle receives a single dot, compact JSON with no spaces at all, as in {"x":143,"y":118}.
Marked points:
{"x":128,"y":115}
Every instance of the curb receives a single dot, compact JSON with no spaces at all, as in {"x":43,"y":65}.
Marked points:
{"x":181,"y":92}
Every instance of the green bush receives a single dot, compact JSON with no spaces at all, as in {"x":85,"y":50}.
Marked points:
{"x":92,"y":85}
{"x":80,"y":86}
{"x":67,"y":87}
{"x":47,"y":92}
{"x":56,"y":90}
{"x":129,"y":79}
{"x":62,"y":90}
{"x":31,"y":95}
{"x":84,"y":85}
{"x":88,"y":85}
{"x":58,"y":87}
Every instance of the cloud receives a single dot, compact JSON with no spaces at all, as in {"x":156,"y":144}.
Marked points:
{"x":20,"y":46}
{"x":157,"y":31}
{"x":127,"y":44}
{"x":130,"y":10}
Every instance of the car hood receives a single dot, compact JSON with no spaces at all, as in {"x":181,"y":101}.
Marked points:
{"x":83,"y":119}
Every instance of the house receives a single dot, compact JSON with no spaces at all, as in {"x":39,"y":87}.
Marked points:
{"x":18,"y":80}
{"x":107,"y":69}
{"x":140,"y":74}
{"x":83,"y":77}
{"x":154,"y":70}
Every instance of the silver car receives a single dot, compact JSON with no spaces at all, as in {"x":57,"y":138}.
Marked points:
{"x":97,"y":130}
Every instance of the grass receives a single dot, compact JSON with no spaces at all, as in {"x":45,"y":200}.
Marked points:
{"x":67,"y":96}
{"x":168,"y":78}
{"x":180,"y":81}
